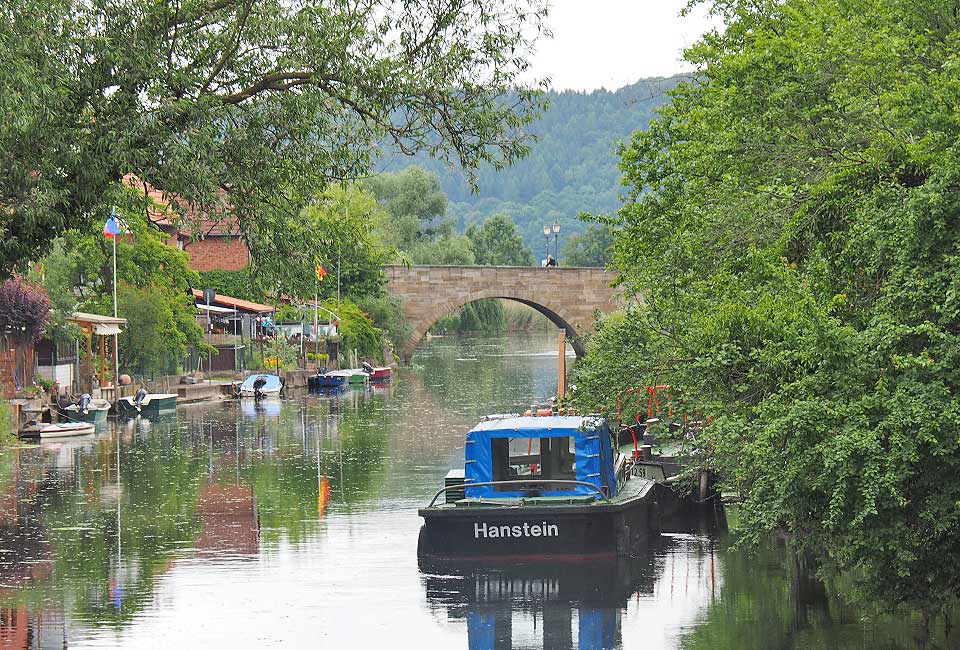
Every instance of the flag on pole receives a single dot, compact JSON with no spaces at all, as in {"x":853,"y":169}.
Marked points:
{"x":112,"y":228}
{"x":321,"y":273}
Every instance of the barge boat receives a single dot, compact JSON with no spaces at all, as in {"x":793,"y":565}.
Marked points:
{"x":541,"y":488}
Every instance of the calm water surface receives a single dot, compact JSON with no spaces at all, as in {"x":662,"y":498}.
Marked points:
{"x":294,"y":524}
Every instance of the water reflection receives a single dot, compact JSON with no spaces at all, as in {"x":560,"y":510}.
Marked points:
{"x":584,"y":605}
{"x":294,"y":521}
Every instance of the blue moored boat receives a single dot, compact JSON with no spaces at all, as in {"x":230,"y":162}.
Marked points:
{"x":540,"y":487}
{"x":333,"y":379}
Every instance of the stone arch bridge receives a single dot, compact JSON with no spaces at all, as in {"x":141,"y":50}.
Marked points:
{"x":566,"y":296}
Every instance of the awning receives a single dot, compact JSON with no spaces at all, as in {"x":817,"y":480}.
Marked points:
{"x":213,"y":309}
{"x":101,"y":329}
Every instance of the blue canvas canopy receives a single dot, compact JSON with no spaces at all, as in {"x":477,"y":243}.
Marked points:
{"x":593,"y":453}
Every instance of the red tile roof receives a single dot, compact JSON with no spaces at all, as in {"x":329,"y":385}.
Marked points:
{"x":235,"y":303}
{"x":163,"y":215}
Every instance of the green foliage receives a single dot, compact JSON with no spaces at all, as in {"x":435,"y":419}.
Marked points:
{"x":278,"y":353}
{"x":337,"y":232}
{"x":237,"y":284}
{"x":54,"y":275}
{"x":414,"y":223}
{"x":287,"y":313}
{"x":251,"y":105}
{"x":486,"y":315}
{"x":159,"y":327}
{"x":794,"y":214}
{"x":497,"y":243}
{"x":7,"y":425}
{"x":357,"y":330}
{"x":449,"y":249}
{"x":593,"y":247}
{"x":411,"y":192}
{"x":384,"y":311}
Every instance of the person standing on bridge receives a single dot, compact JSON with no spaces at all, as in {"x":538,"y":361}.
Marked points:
{"x":550,"y":261}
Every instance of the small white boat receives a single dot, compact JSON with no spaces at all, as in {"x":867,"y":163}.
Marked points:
{"x":270,"y":388}
{"x":58,"y":430}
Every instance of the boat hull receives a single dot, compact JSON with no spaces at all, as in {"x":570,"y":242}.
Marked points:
{"x":327,"y":381}
{"x":93,"y":415}
{"x":381,"y":374}
{"x":155,"y":403}
{"x":570,"y":532}
{"x":275,"y":392}
{"x":61,"y":430}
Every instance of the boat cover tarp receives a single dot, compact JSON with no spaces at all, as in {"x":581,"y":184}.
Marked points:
{"x":592,"y":448}
{"x":273,"y":383}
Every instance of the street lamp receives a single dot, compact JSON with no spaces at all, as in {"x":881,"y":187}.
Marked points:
{"x":546,"y":235}
{"x":556,"y":238}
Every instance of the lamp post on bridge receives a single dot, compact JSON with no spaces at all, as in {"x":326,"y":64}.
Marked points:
{"x":556,"y":238}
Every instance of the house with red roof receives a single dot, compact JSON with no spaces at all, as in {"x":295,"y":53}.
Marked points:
{"x":213,"y":242}
{"x":229,"y":325}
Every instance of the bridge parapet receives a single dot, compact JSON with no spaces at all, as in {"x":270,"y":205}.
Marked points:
{"x":568,"y":296}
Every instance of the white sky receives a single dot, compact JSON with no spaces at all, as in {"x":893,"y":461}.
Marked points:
{"x":611,"y":43}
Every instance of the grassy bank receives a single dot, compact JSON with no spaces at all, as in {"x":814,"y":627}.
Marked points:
{"x":8,"y":428}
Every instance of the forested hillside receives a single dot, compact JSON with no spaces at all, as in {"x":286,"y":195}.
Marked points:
{"x":572,"y":167}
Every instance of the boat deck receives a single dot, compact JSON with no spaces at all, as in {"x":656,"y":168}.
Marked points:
{"x":634,"y":489}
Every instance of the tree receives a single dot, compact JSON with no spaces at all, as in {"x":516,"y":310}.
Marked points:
{"x":158,"y":325}
{"x":497,"y":242}
{"x":245,"y":108}
{"x":152,"y":291}
{"x":410,"y":193}
{"x":338,"y":230}
{"x":592,"y":248}
{"x":793,"y":210}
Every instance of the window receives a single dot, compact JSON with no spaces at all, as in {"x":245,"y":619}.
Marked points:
{"x":533,"y":458}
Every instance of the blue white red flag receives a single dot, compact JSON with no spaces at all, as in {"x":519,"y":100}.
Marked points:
{"x":112,"y":228}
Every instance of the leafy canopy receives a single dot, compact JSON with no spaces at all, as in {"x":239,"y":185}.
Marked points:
{"x":593,"y":247}
{"x":791,"y":229}
{"x":497,"y":242}
{"x":245,"y":107}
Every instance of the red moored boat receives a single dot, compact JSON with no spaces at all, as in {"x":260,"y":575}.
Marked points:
{"x":377,"y":373}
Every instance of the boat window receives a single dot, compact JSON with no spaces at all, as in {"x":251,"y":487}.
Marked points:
{"x":533,"y":458}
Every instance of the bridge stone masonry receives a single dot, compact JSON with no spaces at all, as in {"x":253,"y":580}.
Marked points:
{"x":567,"y":296}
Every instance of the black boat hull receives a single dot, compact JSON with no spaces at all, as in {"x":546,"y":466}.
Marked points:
{"x":572,"y":532}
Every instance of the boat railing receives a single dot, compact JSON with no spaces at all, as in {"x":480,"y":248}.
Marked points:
{"x":525,"y":482}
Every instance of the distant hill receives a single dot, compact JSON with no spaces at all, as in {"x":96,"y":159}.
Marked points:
{"x":572,"y":167}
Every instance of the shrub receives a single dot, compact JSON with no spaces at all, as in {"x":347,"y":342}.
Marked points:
{"x":24,"y":309}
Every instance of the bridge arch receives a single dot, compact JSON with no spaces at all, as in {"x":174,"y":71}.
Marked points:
{"x":568,"y":297}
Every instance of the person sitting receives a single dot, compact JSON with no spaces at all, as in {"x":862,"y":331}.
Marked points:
{"x":551,"y":261}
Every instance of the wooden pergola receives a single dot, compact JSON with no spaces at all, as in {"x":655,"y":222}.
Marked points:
{"x":107,"y":330}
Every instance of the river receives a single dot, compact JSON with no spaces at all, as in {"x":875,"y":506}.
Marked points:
{"x":294,"y":524}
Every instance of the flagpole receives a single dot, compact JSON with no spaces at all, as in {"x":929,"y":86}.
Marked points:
{"x":116,"y":337}
{"x":114,"y":238}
